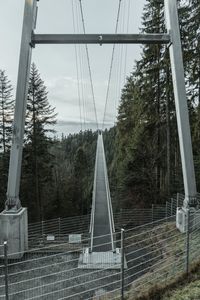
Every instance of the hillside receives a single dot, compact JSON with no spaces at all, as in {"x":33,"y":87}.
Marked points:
{"x":187,"y":287}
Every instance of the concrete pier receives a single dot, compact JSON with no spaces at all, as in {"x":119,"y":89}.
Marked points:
{"x":14,"y":230}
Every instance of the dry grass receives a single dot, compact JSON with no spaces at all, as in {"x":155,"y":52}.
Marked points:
{"x":170,"y":244}
{"x":182,"y":287}
{"x":166,"y":280}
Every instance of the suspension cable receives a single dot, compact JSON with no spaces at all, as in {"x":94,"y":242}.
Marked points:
{"x":77,"y":69}
{"x":121,"y":56}
{"x":111,"y":65}
{"x":81,"y":59}
{"x":119,"y":67}
{"x":126,"y":47}
{"x":89,"y":65}
{"x":122,"y":62}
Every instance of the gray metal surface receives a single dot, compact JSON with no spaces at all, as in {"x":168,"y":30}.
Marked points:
{"x":172,"y":23}
{"x":13,"y":201}
{"x":102,"y":229}
{"x":100,"y":260}
{"x":101,"y":38}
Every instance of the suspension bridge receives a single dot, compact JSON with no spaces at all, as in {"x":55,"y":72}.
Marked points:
{"x":102,"y":216}
{"x":14,"y":223}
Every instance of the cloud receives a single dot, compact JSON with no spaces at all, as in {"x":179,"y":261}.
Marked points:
{"x":78,"y":123}
{"x":63,"y":95}
{"x":67,"y":127}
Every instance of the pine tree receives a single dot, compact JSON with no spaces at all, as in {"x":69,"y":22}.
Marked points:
{"x":190,"y":34}
{"x":148,"y":159}
{"x":142,"y":119}
{"x":6,"y":119}
{"x":194,"y":80}
{"x":38,"y":165}
{"x":73,"y":174}
{"x":6,"y":112}
{"x":192,"y":49}
{"x":39,"y":111}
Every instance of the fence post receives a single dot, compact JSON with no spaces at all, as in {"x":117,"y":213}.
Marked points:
{"x":166,"y":212}
{"x":177,"y":200}
{"x":152,"y":213}
{"x":171,"y":207}
{"x":59,"y":227}
{"x":122,"y":264}
{"x":187,"y":240}
{"x":42,"y":231}
{"x":6,"y":268}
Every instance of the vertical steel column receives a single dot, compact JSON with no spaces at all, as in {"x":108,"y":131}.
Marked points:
{"x":6,"y":269}
{"x":122,"y":264}
{"x":30,"y":12}
{"x":172,"y":24}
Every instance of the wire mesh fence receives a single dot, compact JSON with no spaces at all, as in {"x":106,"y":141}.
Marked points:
{"x":3,"y":272}
{"x":60,"y":228}
{"x":55,"y":271}
{"x":65,"y":269}
{"x":159,"y":254}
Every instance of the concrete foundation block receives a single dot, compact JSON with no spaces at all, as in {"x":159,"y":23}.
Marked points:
{"x":181,"y":219}
{"x":101,"y":260}
{"x":14,"y":230}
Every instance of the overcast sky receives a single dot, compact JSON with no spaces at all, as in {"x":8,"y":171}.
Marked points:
{"x":57,"y":63}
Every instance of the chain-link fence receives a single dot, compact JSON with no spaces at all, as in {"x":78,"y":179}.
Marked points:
{"x":60,"y":228}
{"x":153,"y":252}
{"x":4,"y":272}
{"x":57,"y":269}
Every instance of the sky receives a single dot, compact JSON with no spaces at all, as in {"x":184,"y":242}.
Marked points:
{"x":57,"y":63}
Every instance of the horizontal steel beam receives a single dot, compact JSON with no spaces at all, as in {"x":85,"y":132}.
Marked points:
{"x":100,"y":39}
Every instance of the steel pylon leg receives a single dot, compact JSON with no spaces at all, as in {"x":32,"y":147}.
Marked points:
{"x":176,"y":58}
{"x":30,"y":12}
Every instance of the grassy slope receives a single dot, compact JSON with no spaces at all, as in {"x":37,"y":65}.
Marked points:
{"x":182,"y":287}
{"x":171,"y":245}
{"x":187,"y":289}
{"x":189,"y":292}
{"x":167,"y":281}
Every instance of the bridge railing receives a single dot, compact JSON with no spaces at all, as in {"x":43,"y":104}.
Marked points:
{"x":155,"y":253}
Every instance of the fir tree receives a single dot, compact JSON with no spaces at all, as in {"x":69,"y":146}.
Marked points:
{"x":149,"y":166}
{"x":6,"y":112}
{"x":193,"y":50}
{"x":39,"y":111}
{"x":6,"y":119}
{"x":38,"y":165}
